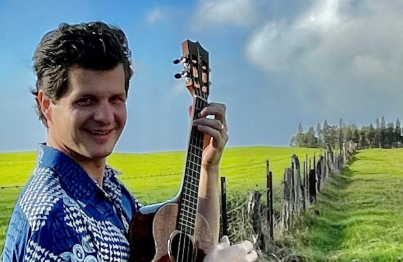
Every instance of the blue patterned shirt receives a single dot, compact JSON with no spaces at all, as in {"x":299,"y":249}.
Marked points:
{"x":63,"y":215}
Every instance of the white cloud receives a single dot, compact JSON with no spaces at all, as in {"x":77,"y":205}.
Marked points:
{"x":232,"y":12}
{"x":155,"y":15}
{"x":350,"y":53}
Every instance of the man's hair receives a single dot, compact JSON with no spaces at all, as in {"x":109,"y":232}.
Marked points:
{"x":94,"y":45}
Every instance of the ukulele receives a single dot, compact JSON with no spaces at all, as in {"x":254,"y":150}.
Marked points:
{"x":176,"y":232}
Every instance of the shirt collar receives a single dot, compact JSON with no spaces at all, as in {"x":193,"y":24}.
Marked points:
{"x":72,"y":176}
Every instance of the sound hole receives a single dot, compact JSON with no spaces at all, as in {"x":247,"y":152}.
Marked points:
{"x":182,"y":248}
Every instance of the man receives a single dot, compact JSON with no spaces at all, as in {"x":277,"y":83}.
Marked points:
{"x":73,"y":208}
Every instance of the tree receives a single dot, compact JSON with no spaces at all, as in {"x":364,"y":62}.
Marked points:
{"x":398,"y":133}
{"x":341,"y":137}
{"x":363,"y":139}
{"x":300,"y":129}
{"x":349,"y":134}
{"x":356,"y":136}
{"x":325,"y":133}
{"x":389,"y":136}
{"x":319,"y":135}
{"x":371,"y":136}
{"x":383,"y":123}
{"x":377,"y":123}
{"x":292,"y":141}
{"x":311,"y":140}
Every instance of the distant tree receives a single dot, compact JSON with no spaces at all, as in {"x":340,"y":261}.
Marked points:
{"x":319,"y":135}
{"x":382,"y":136}
{"x":300,"y":129}
{"x":390,"y":136}
{"x":341,"y":135}
{"x":349,"y":133}
{"x":300,"y":140}
{"x":292,"y":141}
{"x":383,"y":122}
{"x":398,"y":133}
{"x":356,"y":136}
{"x":371,"y":136}
{"x":325,"y":133}
{"x":377,"y":124}
{"x":333,"y":136}
{"x":363,"y":139}
{"x":311,"y":140}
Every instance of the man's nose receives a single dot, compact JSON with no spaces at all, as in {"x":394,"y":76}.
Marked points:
{"x":104,"y":113}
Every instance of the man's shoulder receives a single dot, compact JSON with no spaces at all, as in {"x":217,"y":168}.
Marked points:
{"x":42,"y":195}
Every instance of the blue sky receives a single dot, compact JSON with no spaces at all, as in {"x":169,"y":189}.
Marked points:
{"x":275,"y":63}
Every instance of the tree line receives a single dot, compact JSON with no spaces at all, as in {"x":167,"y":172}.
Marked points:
{"x":380,"y":135}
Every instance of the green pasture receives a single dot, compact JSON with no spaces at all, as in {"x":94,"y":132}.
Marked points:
{"x":359,"y":216}
{"x":156,"y":177}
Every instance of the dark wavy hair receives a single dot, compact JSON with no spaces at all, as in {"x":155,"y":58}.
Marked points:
{"x":93,"y":45}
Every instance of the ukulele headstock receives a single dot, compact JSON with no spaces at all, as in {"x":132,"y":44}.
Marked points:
{"x":196,"y":69}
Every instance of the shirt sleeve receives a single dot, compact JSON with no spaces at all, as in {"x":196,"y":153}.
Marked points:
{"x":49,"y":239}
{"x":16,"y":238}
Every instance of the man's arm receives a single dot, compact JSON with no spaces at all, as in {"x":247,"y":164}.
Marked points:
{"x":216,"y":137}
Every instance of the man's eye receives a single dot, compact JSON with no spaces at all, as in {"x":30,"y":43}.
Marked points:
{"x":117,"y":99}
{"x":85,"y":101}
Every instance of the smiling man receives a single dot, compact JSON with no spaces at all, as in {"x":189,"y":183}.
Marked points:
{"x":73,"y":208}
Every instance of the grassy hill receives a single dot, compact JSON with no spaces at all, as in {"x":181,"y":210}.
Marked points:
{"x":156,"y":177}
{"x":360,"y":212}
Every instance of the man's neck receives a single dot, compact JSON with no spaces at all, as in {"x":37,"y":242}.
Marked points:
{"x":95,"y":168}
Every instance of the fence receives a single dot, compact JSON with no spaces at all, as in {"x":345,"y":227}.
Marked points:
{"x":300,"y":188}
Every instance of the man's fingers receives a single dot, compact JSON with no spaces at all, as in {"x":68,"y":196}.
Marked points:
{"x":213,"y":123}
{"x":247,"y":246}
{"x":219,"y":139}
{"x":224,"y":242}
{"x":251,"y":256}
{"x":214,"y":109}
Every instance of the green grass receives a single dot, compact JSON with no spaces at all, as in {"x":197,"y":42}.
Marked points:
{"x":156,"y":177}
{"x":360,"y":213}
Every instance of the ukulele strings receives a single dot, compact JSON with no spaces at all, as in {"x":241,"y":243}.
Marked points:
{"x":184,"y":246}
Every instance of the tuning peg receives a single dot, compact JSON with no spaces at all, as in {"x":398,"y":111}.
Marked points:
{"x":181,"y":59}
{"x":186,"y":74}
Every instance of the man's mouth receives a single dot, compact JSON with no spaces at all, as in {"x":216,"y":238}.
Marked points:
{"x":99,"y":132}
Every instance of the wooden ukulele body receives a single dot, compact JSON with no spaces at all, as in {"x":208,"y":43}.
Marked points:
{"x":150,"y":234}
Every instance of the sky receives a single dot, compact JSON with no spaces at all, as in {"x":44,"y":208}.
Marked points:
{"x":275,"y":64}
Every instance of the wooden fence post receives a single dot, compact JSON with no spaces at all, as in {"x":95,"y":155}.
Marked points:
{"x":254,"y":216}
{"x":224,"y":207}
{"x":304,"y":189}
{"x":270,"y":215}
{"x":312,"y":186}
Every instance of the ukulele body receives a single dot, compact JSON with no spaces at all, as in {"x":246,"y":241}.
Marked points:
{"x":152,"y":236}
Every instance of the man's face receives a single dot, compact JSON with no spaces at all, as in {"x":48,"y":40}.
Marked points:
{"x":88,"y":120}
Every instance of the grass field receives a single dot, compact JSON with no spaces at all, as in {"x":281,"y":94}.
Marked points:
{"x":360,"y":212}
{"x":358,"y":215}
{"x":156,"y":177}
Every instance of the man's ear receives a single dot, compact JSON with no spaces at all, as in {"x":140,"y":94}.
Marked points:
{"x":44,"y":105}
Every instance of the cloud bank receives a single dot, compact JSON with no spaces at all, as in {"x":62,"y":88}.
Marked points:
{"x":348,"y":53}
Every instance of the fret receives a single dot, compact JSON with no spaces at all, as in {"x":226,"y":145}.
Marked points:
{"x":195,"y":172}
{"x":195,"y":157}
{"x":196,"y":140}
{"x":192,"y":190}
{"x":189,"y":211}
{"x":188,"y":223}
{"x":188,"y":202}
{"x":187,"y":215}
{"x":186,"y":229}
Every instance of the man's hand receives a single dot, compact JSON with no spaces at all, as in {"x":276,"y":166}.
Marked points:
{"x":223,"y":252}
{"x":215,"y":131}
